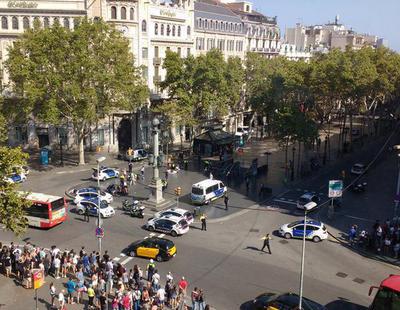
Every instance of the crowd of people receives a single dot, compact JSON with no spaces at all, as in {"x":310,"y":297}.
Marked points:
{"x":98,"y":281}
{"x":383,"y":239}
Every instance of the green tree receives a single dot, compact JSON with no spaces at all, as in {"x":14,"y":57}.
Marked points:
{"x":76,"y":76}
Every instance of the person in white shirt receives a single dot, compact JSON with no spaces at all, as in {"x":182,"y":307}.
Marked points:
{"x":57,"y":264}
{"x":161,"y":296}
{"x":169,"y":276}
{"x":155,"y":280}
{"x":61,"y":299}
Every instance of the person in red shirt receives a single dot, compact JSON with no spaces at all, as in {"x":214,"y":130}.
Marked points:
{"x":182,"y":286}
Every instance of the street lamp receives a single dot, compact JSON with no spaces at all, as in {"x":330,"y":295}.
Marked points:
{"x":99,"y":160}
{"x":307,"y":207}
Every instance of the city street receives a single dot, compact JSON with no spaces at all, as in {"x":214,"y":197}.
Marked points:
{"x":225,"y":260}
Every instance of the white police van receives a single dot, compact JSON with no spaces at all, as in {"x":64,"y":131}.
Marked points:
{"x":205,"y":191}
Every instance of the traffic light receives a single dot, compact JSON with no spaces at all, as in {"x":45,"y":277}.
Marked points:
{"x":178,"y":191}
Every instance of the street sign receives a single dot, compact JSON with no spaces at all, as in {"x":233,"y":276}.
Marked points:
{"x":335,"y":188}
{"x":37,"y":278}
{"x":99,"y":232}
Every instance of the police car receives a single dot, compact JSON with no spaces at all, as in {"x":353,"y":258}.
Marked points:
{"x":105,"y":173}
{"x":91,"y":192}
{"x":16,"y":178}
{"x":207,"y":190}
{"x":178,"y":212}
{"x":169,"y":224}
{"x":105,"y":209}
{"x":315,"y":231}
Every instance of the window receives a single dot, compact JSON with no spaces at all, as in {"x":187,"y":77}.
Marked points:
{"x":209,"y":190}
{"x":168,"y":30}
{"x":76,"y":22}
{"x":145,"y":52}
{"x":4,"y":23}
{"x":162,"y":29}
{"x":247,"y":8}
{"x":156,"y":54}
{"x":100,"y":137}
{"x":123,"y":12}
{"x":199,"y":24}
{"x":188,"y":51}
{"x":15,"y":23}
{"x":56,"y":21}
{"x":131,"y":14}
{"x":144,"y":26}
{"x":168,"y":48}
{"x":40,"y":210}
{"x":145,"y":73}
{"x":156,"y":29}
{"x":21,"y":134}
{"x":173,"y":30}
{"x":179,"y":52}
{"x":179,"y":31}
{"x":46,"y":22}
{"x":25,"y":22}
{"x":206,"y":24}
{"x":66,"y":23}
{"x":113,"y":12}
{"x":188,"y":30}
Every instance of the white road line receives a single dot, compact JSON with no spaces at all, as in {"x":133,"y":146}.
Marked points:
{"x":71,"y":171}
{"x":284,"y":201}
{"x":359,"y":218}
{"x":152,"y":234}
{"x":126,"y":260}
{"x":161,"y":235}
{"x":116,"y":258}
{"x":122,"y":255}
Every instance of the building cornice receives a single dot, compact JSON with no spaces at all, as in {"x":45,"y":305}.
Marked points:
{"x":43,"y":11}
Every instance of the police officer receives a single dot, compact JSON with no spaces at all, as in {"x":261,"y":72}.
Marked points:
{"x":266,"y":239}
{"x":86,"y":214}
{"x":151,"y":267}
{"x":203,"y":219}
{"x":226,"y":201}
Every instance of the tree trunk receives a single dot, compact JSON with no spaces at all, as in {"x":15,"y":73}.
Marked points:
{"x":298,"y":159}
{"x":81,"y":149}
{"x":286,"y":157}
{"x":351,"y":131}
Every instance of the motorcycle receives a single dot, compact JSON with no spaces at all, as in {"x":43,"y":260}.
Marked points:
{"x":359,"y":187}
{"x":128,"y":205}
{"x":137,"y":211}
{"x":117,"y":190}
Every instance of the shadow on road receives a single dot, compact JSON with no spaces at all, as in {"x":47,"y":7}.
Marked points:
{"x":249,"y":247}
{"x":344,"y":304}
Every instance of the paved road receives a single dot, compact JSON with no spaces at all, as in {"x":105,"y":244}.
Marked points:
{"x":225,"y":260}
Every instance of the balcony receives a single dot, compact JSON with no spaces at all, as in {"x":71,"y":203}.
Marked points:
{"x":157,"y":61}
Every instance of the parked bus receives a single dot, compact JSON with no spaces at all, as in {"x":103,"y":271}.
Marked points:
{"x":388,"y":295}
{"x":46,"y":210}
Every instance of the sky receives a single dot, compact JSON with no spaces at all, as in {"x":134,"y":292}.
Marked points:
{"x":377,"y":17}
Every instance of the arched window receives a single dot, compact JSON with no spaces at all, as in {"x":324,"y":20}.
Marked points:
{"x":14,"y":22}
{"x":36,"y":21}
{"x":156,"y":29}
{"x":76,"y":22}
{"x":179,"y":31}
{"x":113,"y":12}
{"x":200,"y":24}
{"x":162,"y":29}
{"x":66,"y":23}
{"x":206,"y":24}
{"x":173,"y":30}
{"x":144,"y":26}
{"x":25,"y":22}
{"x":56,"y":21}
{"x":188,"y":30}
{"x":131,"y":14}
{"x":46,"y":22}
{"x":123,"y":12}
{"x":168,"y":30}
{"x":4,"y":23}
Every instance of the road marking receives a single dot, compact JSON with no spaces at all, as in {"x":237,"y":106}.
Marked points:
{"x":71,"y":171}
{"x":122,"y":254}
{"x":161,"y":235}
{"x":116,"y":258}
{"x":284,"y":201}
{"x":152,"y":234}
{"x":359,"y":218}
{"x":126,"y":260}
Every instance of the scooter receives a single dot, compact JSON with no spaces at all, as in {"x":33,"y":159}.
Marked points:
{"x":137,"y":211}
{"x":128,"y":205}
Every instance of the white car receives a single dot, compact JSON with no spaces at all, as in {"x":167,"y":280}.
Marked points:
{"x":91,"y":192}
{"x":16,"y":178}
{"x":315,"y":231}
{"x":357,"y":169}
{"x":178,"y":212}
{"x":105,"y":173}
{"x":306,"y":199}
{"x":105,"y":209}
{"x":168,"y":224}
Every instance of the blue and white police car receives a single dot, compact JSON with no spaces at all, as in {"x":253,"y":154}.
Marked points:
{"x":315,"y":231}
{"x":91,"y":192}
{"x":91,"y":204}
{"x":105,"y":173}
{"x":206,"y":191}
{"x":16,"y":178}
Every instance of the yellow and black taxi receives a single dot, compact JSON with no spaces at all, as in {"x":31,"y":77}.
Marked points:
{"x":159,"y":249}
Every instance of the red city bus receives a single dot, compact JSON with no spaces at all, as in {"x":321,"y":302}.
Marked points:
{"x":388,"y":295}
{"x":46,"y":210}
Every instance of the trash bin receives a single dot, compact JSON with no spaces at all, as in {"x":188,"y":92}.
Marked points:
{"x":44,"y":156}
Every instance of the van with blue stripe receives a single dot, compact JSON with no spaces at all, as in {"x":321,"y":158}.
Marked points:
{"x":206,"y":191}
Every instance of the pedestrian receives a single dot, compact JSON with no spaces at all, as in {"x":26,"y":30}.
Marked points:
{"x":203,"y":219}
{"x":52,"y":294}
{"x":166,"y":174}
{"x":86,"y":214}
{"x":102,"y":302}
{"x":150,"y":270}
{"x":183,"y":284}
{"x":247,"y":180}
{"x":211,"y":175}
{"x":266,"y":239}
{"x":61,"y":300}
{"x":130,"y":167}
{"x":352,"y":234}
{"x":142,"y":173}
{"x":71,"y":286}
{"x":194,"y":296}
{"x":91,"y":293}
{"x":226,"y":201}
